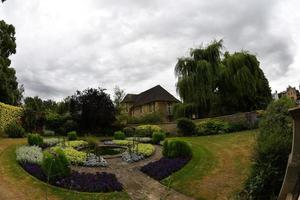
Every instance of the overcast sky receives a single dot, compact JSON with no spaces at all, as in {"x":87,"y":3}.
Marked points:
{"x":66,"y":45}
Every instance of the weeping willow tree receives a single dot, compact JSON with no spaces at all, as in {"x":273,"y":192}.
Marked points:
{"x":219,"y":84}
{"x":198,"y":76}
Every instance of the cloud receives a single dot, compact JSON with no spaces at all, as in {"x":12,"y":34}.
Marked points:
{"x":65,"y":45}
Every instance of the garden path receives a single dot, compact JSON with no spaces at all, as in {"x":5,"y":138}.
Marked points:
{"x":138,"y":185}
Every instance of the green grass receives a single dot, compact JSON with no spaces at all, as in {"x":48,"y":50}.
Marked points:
{"x":31,"y":188}
{"x":219,"y":166}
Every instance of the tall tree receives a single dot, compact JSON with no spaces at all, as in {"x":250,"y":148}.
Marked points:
{"x":220,"y":84}
{"x":10,"y":93}
{"x":92,"y":109}
{"x":119,"y":94}
{"x":198,"y":76}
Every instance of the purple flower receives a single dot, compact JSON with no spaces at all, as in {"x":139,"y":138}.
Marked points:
{"x":164,"y":167}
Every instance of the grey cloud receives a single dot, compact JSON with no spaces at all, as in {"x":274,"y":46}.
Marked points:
{"x":132,"y":43}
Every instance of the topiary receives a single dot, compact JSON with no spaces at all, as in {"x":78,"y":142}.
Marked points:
{"x":177,"y":148}
{"x":119,"y":135}
{"x":34,"y":140}
{"x":14,"y":130}
{"x":72,"y":135}
{"x":158,"y":136}
{"x":55,"y":165}
{"x":186,"y":126}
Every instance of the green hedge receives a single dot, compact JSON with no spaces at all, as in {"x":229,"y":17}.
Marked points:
{"x":8,"y":114}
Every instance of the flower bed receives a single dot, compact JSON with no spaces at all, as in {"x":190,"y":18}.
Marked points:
{"x":83,"y":182}
{"x":29,"y":154}
{"x":164,"y":167}
{"x":87,"y":182}
{"x":50,"y":142}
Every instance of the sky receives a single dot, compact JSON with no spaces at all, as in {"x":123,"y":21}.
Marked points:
{"x":69,"y":45}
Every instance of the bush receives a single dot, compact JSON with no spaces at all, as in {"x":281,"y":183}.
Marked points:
{"x":129,"y":131}
{"x":72,"y":135}
{"x":77,"y":144}
{"x":151,"y":118}
{"x":9,"y":114}
{"x":55,"y":165}
{"x":92,"y":142}
{"x":213,"y":127}
{"x":273,"y":148}
{"x":158,"y":136}
{"x":140,"y":139}
{"x":75,"y":157}
{"x":50,"y":142}
{"x":119,"y":135}
{"x":27,"y":154}
{"x":34,"y":140}
{"x":14,"y":130}
{"x":147,"y":130}
{"x":144,"y":149}
{"x":176,"y":148}
{"x":186,"y":126}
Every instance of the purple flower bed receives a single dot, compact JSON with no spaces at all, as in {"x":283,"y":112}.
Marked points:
{"x":164,"y":167}
{"x":86,"y":182}
{"x":35,"y":170}
{"x":83,"y":182}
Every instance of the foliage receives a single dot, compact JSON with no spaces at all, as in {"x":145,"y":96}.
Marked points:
{"x":95,"y":161}
{"x":119,"y":95}
{"x":55,"y":165}
{"x":140,"y":139}
{"x":144,"y":149}
{"x":92,"y":142}
{"x":212,"y":127}
{"x":122,"y":142}
{"x":75,"y":157}
{"x":77,"y":144}
{"x":9,"y":114}
{"x":186,"y":126}
{"x":119,"y":135}
{"x":87,"y":182}
{"x":14,"y":130}
{"x":50,"y":142}
{"x":273,"y":147}
{"x":158,"y":136}
{"x":147,"y":130}
{"x":35,"y":170}
{"x":92,"y":109}
{"x":176,"y":148}
{"x":29,"y":154}
{"x":10,"y":93}
{"x":129,"y":131}
{"x":72,"y":135}
{"x":150,"y":118}
{"x":34,"y":140}
{"x":218,"y":85}
{"x":164,"y":167}
{"x":180,"y":110}
{"x":57,"y":122}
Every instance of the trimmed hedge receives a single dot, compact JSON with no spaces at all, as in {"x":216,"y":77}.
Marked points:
{"x":158,"y":136}
{"x":8,"y":115}
{"x":177,"y":148}
{"x":119,"y":135}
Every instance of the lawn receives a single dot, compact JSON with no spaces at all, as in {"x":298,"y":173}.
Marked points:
{"x":219,"y":166}
{"x":15,"y":183}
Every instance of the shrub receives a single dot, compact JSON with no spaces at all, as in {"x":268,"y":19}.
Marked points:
{"x":273,"y":147}
{"x":122,"y":142}
{"x":9,"y":114}
{"x":72,"y":135}
{"x":140,"y":139}
{"x":77,"y":144}
{"x":75,"y":157}
{"x":213,"y":127}
{"x":176,"y":148}
{"x":129,"y":131}
{"x":147,"y":130}
{"x":29,"y":154}
{"x":34,"y":140}
{"x":50,"y":142}
{"x":158,"y":136}
{"x":14,"y":130}
{"x":55,"y":165}
{"x":92,"y":142}
{"x":164,"y":167}
{"x":186,"y":126}
{"x":144,"y":149}
{"x":119,"y":135}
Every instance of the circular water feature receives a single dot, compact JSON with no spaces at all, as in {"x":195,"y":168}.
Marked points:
{"x":107,"y":150}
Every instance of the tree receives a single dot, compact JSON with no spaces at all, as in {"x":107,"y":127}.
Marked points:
{"x":92,"y":109}
{"x":10,"y":93}
{"x":119,"y":95}
{"x":215,"y":83}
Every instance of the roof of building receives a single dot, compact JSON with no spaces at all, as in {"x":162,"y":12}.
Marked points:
{"x":156,"y":93}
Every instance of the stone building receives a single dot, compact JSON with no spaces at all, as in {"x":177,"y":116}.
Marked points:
{"x":154,"y":100}
{"x":292,"y":93}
